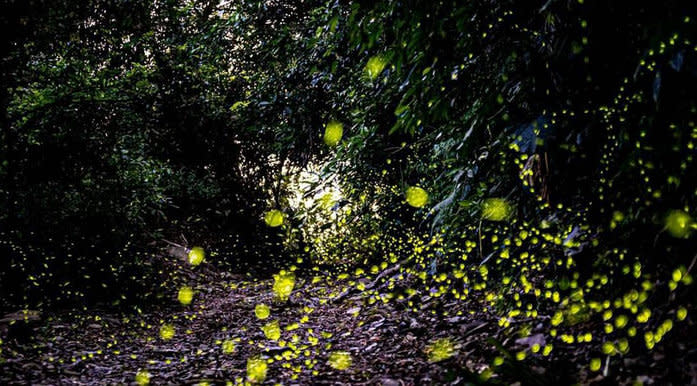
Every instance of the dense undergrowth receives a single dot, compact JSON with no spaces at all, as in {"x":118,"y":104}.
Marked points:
{"x":534,"y":163}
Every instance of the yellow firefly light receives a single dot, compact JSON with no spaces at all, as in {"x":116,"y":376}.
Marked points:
{"x":256,"y":370}
{"x":495,"y":209}
{"x":274,"y":218}
{"x":196,"y":256}
{"x":283,"y":284}
{"x":440,"y":350}
{"x":375,"y":66}
{"x":340,"y":360}
{"x":333,"y":133}
{"x":272,"y":330}
{"x":416,"y":196}
{"x":228,"y":347}
{"x":262,"y":311}
{"x":167,"y":332}
{"x":185,"y":295}
{"x":143,"y":378}
{"x":679,"y":224}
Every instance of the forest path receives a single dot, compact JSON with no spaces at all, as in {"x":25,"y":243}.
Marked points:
{"x":385,"y":341}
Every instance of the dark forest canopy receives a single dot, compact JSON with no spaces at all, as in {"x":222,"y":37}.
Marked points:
{"x":536,"y":158}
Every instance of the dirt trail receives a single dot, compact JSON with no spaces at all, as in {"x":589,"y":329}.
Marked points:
{"x":387,"y":343}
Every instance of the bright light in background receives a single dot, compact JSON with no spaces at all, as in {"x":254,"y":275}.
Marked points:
{"x":309,"y":190}
{"x":322,"y":212}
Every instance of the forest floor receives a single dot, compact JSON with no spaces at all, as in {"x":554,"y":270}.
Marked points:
{"x":387,"y":342}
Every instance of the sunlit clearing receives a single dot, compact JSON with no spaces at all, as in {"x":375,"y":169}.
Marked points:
{"x":196,"y":256}
{"x":495,"y":209}
{"x":262,"y":311}
{"x":256,"y":370}
{"x":440,"y":350}
{"x":340,"y":360}
{"x":333,"y":133}
{"x":272,"y":330}
{"x":283,"y":283}
{"x":167,"y":332}
{"x":375,"y":66}
{"x":228,"y":347}
{"x":309,"y":189}
{"x":185,"y":295}
{"x":416,"y":196}
{"x":679,"y":224}
{"x":143,"y":378}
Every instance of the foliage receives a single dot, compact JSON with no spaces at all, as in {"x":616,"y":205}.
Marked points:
{"x":540,"y":117}
{"x":534,"y":158}
{"x":118,"y":130}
